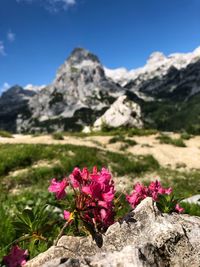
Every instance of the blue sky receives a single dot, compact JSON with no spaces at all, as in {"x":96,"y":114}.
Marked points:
{"x":36,"y":36}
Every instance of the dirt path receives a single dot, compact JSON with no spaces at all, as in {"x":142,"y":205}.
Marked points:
{"x":167,"y":155}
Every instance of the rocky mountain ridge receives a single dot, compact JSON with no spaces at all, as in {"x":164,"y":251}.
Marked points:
{"x":83,"y":90}
{"x":157,"y":65}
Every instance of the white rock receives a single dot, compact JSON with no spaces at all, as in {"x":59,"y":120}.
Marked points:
{"x":122,"y":112}
{"x":193,"y":200}
{"x":86,"y":129}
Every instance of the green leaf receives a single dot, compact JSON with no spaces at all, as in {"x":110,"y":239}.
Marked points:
{"x":21,"y":227}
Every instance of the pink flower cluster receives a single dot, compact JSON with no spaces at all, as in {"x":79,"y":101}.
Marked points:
{"x":94,"y":203}
{"x":94,"y":194}
{"x":16,"y":257}
{"x":154,"y":190}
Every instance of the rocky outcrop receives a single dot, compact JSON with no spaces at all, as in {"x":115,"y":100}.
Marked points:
{"x":144,"y":238}
{"x":122,"y":113}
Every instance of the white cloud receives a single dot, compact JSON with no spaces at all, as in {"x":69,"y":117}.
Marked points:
{"x":4,"y":87}
{"x":69,"y":2}
{"x":52,"y":5}
{"x":11,"y":36}
{"x":2,"y":49}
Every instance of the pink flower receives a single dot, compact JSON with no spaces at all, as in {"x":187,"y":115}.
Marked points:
{"x":85,"y":174}
{"x":139,"y":193}
{"x":103,"y":214}
{"x":103,"y":204}
{"x":133,"y":199}
{"x":67,"y":216}
{"x":102,"y":177}
{"x":141,"y":189}
{"x":73,"y":181}
{"x":99,"y":191}
{"x":108,"y":194}
{"x":87,"y":189}
{"x":179,"y":209}
{"x":58,"y":188}
{"x":155,"y":189}
{"x":168,"y":191}
{"x":17,"y":257}
{"x":78,"y":177}
{"x":107,"y":216}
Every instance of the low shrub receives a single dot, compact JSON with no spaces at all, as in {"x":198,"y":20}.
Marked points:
{"x":186,"y":136}
{"x":58,"y":136}
{"x":5,"y":134}
{"x":126,"y":141}
{"x":165,"y":139}
{"x":115,"y":139}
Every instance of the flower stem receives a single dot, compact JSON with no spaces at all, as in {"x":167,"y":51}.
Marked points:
{"x":61,"y":233}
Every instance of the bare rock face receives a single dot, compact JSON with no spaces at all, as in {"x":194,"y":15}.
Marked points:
{"x":123,"y":112}
{"x":144,"y":238}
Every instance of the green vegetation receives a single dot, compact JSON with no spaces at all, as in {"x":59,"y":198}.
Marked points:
{"x":5,"y":134}
{"x":130,"y":142}
{"x":174,"y":114}
{"x":126,"y":142}
{"x":186,"y":136}
{"x":58,"y":136}
{"x":185,"y":184}
{"x":14,"y":157}
{"x":141,"y":132}
{"x":165,"y":139}
{"x":122,"y":139}
{"x":121,"y":131}
{"x":115,"y":139}
{"x":192,"y":209}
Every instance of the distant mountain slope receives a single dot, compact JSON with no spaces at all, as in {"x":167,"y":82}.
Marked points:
{"x":12,"y":103}
{"x":165,"y":95}
{"x":171,"y":115}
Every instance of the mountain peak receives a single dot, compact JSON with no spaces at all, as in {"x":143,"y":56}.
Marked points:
{"x":79,"y":55}
{"x":16,"y":91}
{"x":156,"y":57}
